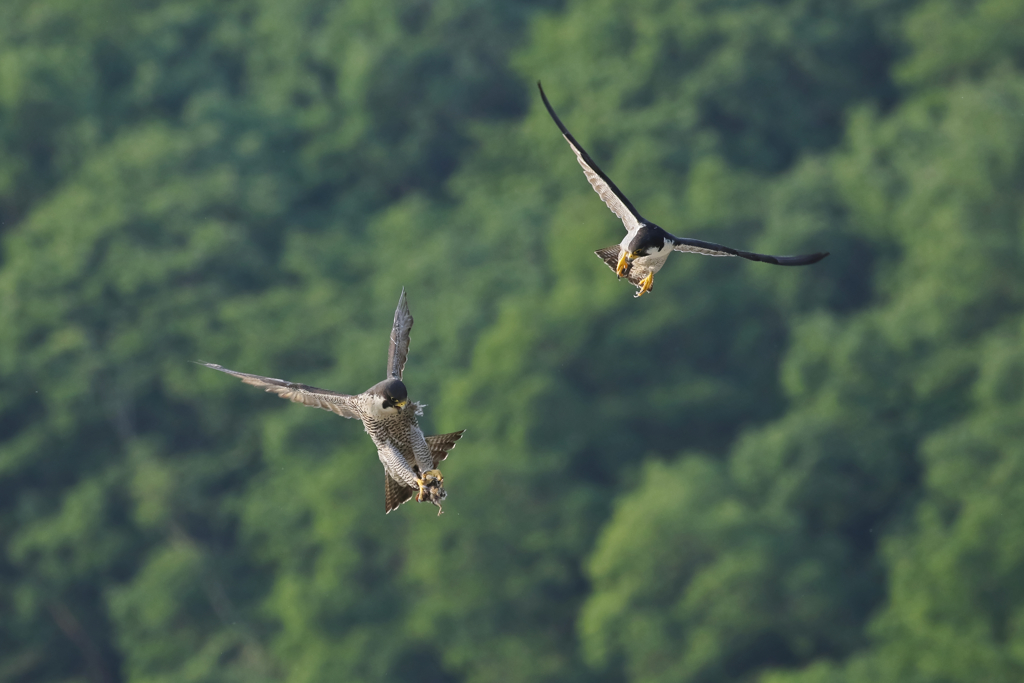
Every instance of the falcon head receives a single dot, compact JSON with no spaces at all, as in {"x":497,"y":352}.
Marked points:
{"x":392,"y":396}
{"x":648,"y":240}
{"x":644,"y":242}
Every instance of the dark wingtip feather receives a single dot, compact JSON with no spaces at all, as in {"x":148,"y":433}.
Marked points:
{"x":801,"y":260}
{"x":804,"y":260}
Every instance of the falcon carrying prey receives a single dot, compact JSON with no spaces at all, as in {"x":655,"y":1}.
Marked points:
{"x":646,"y":246}
{"x":410,"y":459}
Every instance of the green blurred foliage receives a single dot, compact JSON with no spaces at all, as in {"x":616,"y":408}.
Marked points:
{"x":753,"y":474}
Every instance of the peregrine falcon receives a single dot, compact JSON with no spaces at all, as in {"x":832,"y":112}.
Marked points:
{"x":410,"y":459}
{"x":645,"y":248}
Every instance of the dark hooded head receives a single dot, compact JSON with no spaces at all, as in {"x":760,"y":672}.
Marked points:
{"x":392,"y":393}
{"x":647,"y":239}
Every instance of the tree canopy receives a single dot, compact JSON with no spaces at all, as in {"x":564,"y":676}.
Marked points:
{"x":760,"y":474}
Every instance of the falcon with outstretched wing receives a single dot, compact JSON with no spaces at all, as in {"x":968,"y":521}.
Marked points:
{"x":410,"y":459}
{"x":645,"y":248}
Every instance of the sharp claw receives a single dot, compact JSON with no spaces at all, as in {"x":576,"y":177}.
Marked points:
{"x":645,"y":285}
{"x":431,"y":492}
{"x":623,"y":265}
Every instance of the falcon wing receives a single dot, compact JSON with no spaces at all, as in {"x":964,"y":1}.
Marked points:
{"x":341,"y":404}
{"x":602,"y":184}
{"x":441,"y":444}
{"x":712,"y":249}
{"x":399,"y":350}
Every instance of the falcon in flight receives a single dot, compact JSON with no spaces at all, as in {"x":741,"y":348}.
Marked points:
{"x":645,"y":248}
{"x":410,"y":459}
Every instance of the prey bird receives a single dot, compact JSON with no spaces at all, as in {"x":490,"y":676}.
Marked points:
{"x":645,"y":248}
{"x":410,"y":459}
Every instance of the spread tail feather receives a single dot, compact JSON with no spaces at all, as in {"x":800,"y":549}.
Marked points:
{"x":395,"y":493}
{"x":610,"y":255}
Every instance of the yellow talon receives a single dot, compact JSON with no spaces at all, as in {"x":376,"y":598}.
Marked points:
{"x":431,"y":484}
{"x":645,"y":285}
{"x":623,"y":265}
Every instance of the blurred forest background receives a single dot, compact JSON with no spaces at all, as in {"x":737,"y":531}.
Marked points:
{"x":809,"y":475}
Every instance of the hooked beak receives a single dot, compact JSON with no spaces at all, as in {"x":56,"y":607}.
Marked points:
{"x":624,"y":261}
{"x":401,"y":404}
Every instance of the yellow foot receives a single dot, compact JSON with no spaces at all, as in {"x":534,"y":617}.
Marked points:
{"x":431,"y":489}
{"x":645,"y":285}
{"x":623,"y":266}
